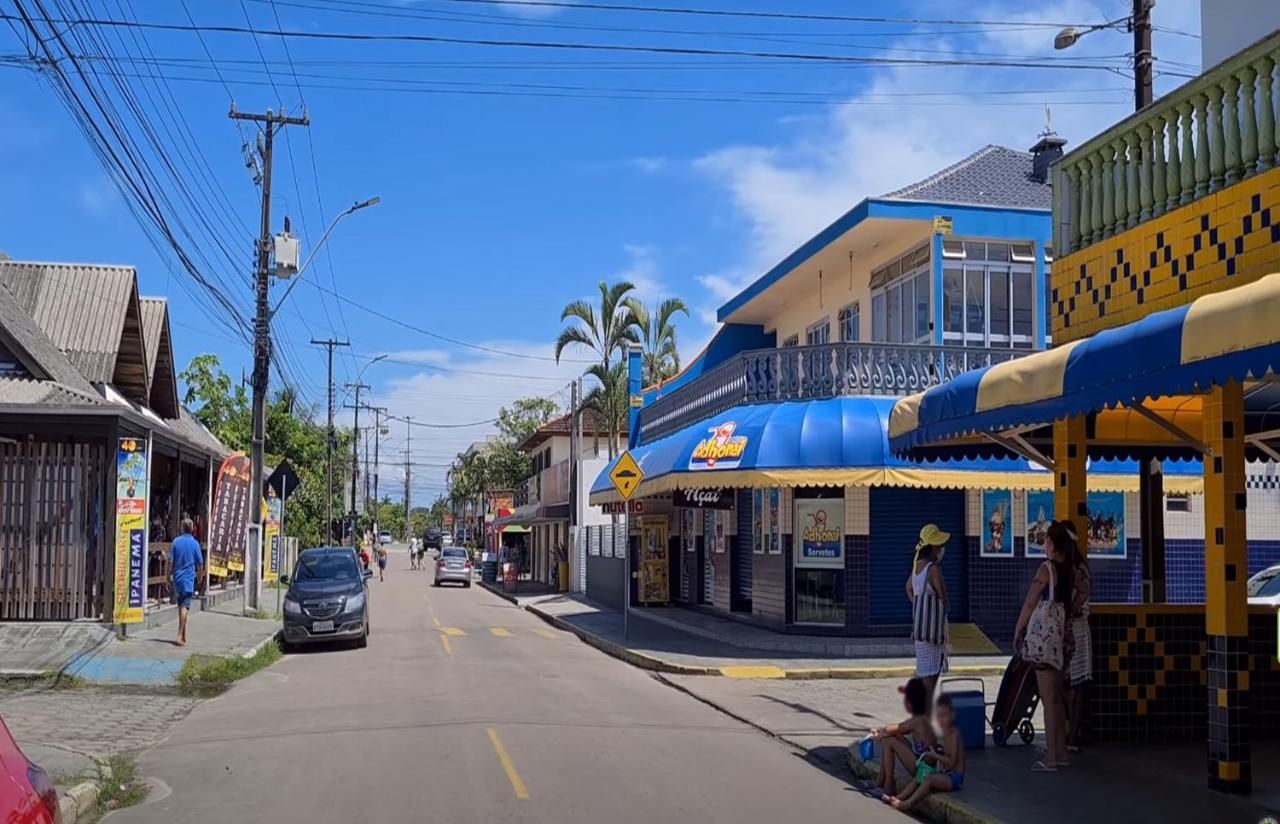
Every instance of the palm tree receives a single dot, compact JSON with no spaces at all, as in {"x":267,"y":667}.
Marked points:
{"x":602,"y":333}
{"x":657,"y":337}
{"x":609,"y":399}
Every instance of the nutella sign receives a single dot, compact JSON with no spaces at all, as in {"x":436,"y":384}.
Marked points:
{"x":703,"y":498}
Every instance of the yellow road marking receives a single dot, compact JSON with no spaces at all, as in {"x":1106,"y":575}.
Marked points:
{"x":517,"y":783}
{"x":448,"y":647}
{"x":452,"y":631}
{"x":545,"y":633}
{"x":500,"y":632}
{"x":753,"y":672}
{"x":435,"y":620}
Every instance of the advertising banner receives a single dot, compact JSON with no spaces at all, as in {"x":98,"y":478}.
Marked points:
{"x":997,"y":523}
{"x":271,"y":536}
{"x":230,"y":517}
{"x":654,"y":565}
{"x":821,"y":526}
{"x":131,"y":531}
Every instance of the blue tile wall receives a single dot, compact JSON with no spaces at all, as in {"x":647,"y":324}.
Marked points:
{"x":1119,"y":581}
{"x":857,"y":585}
{"x":1184,"y":567}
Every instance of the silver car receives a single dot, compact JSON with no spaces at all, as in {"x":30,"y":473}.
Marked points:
{"x":454,"y":565}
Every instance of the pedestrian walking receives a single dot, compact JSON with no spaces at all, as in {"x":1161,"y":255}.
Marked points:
{"x":382,"y":562}
{"x":928,"y":595}
{"x":1041,"y":636}
{"x":1080,"y":668}
{"x":187,"y":561}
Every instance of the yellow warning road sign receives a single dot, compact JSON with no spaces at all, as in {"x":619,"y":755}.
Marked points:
{"x":626,"y":475}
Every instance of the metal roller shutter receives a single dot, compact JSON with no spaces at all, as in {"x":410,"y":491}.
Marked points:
{"x":742,"y":553}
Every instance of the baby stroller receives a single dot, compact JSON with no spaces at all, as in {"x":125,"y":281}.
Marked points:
{"x":1016,"y":703}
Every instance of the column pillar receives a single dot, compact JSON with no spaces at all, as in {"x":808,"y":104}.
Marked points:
{"x":1070,"y":482}
{"x":1226,"y":570}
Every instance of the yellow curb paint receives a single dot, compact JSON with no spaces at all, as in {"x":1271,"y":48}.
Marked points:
{"x":968,"y":639}
{"x":753,"y":672}
{"x":454,"y":631}
{"x":448,"y":647}
{"x":545,"y":633}
{"x":500,"y":632}
{"x":508,"y":766}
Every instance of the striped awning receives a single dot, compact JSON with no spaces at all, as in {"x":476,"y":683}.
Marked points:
{"x":1154,"y":366}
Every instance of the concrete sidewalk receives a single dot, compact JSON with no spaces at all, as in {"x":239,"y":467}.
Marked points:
{"x":667,"y":646}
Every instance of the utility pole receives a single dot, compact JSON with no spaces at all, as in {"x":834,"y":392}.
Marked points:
{"x":271,"y":123}
{"x":1142,"y":57}
{"x":408,"y":479}
{"x":355,"y":454}
{"x":329,"y":444}
{"x":575,"y":479}
{"x":378,"y":411}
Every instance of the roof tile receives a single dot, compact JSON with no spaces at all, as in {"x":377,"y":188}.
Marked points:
{"x":991,"y":176}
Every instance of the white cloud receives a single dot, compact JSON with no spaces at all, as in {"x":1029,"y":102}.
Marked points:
{"x":647,"y":165}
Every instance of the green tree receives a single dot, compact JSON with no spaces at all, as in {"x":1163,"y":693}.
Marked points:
{"x":219,"y":404}
{"x":610,"y":399}
{"x":657,"y":333}
{"x":602,"y":332}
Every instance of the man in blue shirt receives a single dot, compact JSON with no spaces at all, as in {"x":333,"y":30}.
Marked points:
{"x":187,"y":562}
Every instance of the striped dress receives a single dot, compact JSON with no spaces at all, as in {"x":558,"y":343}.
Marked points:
{"x":928,"y":626}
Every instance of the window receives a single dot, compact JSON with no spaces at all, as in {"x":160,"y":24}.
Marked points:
{"x":987,"y":300}
{"x":819,"y":333}
{"x":900,"y":299}
{"x":794,"y":340}
{"x":850,"y":322}
{"x":1177,"y":503}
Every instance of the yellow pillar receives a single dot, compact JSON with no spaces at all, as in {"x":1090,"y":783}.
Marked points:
{"x":1070,"y":481}
{"x":1226,"y":569}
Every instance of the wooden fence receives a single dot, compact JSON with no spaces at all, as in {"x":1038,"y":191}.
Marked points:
{"x":53,"y":541}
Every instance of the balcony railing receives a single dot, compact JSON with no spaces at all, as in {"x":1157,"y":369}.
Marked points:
{"x":550,"y":486}
{"x":812,"y":372}
{"x":1204,"y":136}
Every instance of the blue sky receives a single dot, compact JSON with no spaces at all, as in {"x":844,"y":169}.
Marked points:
{"x":514,"y":179}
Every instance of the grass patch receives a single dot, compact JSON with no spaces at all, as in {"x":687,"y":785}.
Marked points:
{"x":203,"y":676}
{"x":260,"y":614}
{"x":119,"y":784}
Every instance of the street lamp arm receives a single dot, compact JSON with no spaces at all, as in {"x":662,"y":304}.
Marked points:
{"x":373,"y":201}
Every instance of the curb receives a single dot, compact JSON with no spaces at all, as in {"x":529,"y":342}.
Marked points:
{"x":496,"y":590}
{"x":862,"y":673}
{"x":256,"y":648}
{"x":630,"y":656}
{"x":942,"y":808}
{"x":80,"y":803}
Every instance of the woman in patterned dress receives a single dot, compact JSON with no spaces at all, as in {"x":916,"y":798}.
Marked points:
{"x":928,"y":595}
{"x":1080,"y":669}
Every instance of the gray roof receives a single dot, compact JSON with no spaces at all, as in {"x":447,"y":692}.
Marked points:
{"x":991,"y":176}
{"x":161,"y":372}
{"x":195,"y":432}
{"x":32,"y":346}
{"x":153,"y":323}
{"x":33,"y":392}
{"x":82,"y":308}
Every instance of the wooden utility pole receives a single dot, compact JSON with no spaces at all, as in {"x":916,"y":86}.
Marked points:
{"x":271,"y":123}
{"x":355,"y":454}
{"x":1143,"y":95}
{"x":408,"y":478}
{"x":329,"y":444}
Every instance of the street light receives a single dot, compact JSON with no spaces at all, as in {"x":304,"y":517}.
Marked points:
{"x":1139,"y":23}
{"x":352,"y":209}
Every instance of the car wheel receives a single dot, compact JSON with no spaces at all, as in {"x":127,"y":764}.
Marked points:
{"x":466,"y":585}
{"x":363,"y":640}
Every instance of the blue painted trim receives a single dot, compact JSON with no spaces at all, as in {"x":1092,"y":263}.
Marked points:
{"x":729,"y":341}
{"x":635,"y":379}
{"x":937,"y":291}
{"x":969,"y":220}
{"x":1037,"y":296}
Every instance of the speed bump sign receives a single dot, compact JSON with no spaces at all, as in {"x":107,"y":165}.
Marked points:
{"x":626,"y":476}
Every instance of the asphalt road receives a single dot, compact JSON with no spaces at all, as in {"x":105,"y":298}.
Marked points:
{"x":466,"y":708}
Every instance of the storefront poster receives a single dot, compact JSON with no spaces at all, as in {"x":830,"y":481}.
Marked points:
{"x":271,"y":511}
{"x":997,"y":520}
{"x":688,"y":536}
{"x":821,"y":526}
{"x":654,"y":566}
{"x":759,"y":525}
{"x":1106,"y":525}
{"x":230,"y":518}
{"x":1039,"y":516}
{"x":775,"y":521}
{"x":131,"y":531}
{"x":721,"y":538}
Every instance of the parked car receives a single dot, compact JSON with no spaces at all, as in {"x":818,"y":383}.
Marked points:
{"x":454,"y":565}
{"x":385,"y":537}
{"x":328,"y":598}
{"x":1263,"y":588}
{"x":432,"y":538}
{"x":446,"y":540}
{"x":27,"y":794}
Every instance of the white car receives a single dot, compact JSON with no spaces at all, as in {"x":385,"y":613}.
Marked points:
{"x":446,"y":539}
{"x":1264,"y":588}
{"x":384,"y":537}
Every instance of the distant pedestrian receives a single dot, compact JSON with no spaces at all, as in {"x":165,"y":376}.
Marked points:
{"x":382,"y":562}
{"x":187,"y":561}
{"x":928,"y":595}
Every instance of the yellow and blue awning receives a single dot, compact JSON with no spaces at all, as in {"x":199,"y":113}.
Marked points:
{"x":1154,"y":366}
{"x":831,"y":442}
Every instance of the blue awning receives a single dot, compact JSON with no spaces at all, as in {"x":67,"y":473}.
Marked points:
{"x":833,"y":442}
{"x":1226,"y":336}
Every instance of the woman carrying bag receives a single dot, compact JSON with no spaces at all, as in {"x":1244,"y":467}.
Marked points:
{"x":928,"y":595}
{"x":1043,"y":639}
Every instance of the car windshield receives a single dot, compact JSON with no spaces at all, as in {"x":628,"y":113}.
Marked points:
{"x":455,"y":553}
{"x":1267,"y":583}
{"x":326,"y":566}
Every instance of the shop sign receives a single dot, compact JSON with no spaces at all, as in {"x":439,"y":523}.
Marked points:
{"x":230,"y":517}
{"x":623,"y":508}
{"x":723,"y":450}
{"x":131,"y":531}
{"x":703,"y":498}
{"x":821,"y":525}
{"x":942,"y":224}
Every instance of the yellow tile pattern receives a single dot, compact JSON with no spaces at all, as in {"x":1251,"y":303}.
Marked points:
{"x":1218,"y":242}
{"x":1226,"y":562}
{"x":1070,"y":482}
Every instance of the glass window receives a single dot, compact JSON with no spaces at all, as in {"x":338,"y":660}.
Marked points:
{"x":953,"y":299}
{"x":819,"y":333}
{"x":975,"y":250}
{"x":819,"y":596}
{"x":922,"y":305}
{"x":1267,"y":582}
{"x":894,"y":311}
{"x":850,"y":320}
{"x":1023,"y":322}
{"x":975,"y":299}
{"x":998,"y":252}
{"x":1048,"y":253}
{"x":1179,"y":503}
{"x":953,"y":249}
{"x":1022,"y":252}
{"x":794,"y":340}
{"x":877,"y":318}
{"x":908,"y":333}
{"x":998,"y":284}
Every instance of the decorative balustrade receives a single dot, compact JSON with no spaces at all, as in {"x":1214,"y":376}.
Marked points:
{"x":812,"y":372}
{"x":1205,"y":135}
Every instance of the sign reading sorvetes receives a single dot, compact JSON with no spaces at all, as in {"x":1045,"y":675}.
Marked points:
{"x":703,"y":498}
{"x":230,"y":517}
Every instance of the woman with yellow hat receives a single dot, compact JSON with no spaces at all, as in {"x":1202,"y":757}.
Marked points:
{"x":928,"y":595}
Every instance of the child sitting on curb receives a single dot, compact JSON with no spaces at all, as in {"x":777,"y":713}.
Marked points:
{"x":940,"y":770}
{"x":897,"y":748}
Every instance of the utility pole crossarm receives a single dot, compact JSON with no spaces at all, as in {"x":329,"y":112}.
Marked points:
{"x":329,"y":445}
